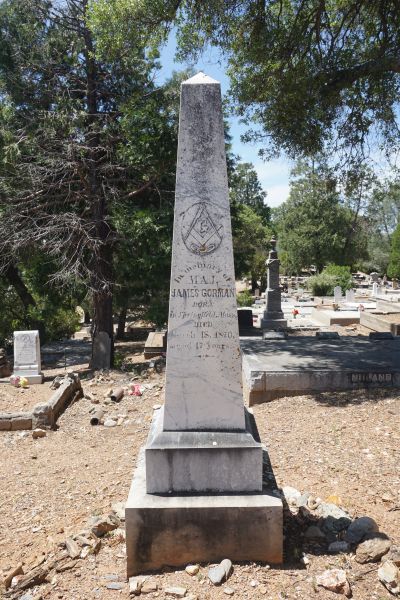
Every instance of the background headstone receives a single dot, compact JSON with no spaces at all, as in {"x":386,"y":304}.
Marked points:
{"x":27,"y":361}
{"x":337,"y":293}
{"x":101,"y":354}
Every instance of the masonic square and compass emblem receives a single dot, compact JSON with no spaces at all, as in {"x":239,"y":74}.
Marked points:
{"x":201,"y":232}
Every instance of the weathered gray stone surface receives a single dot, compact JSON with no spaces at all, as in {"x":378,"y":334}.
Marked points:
{"x":203,"y":461}
{"x":305,"y":364}
{"x":203,"y":379}
{"x":175,"y":530}
{"x":27,"y":362}
{"x":101,"y":358}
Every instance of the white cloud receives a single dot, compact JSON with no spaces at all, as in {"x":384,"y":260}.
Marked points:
{"x":277,"y":194}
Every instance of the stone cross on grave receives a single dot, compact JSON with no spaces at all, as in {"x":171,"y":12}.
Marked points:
{"x":200,"y":475}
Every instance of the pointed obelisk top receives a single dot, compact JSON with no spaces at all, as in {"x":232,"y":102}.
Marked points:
{"x":200,"y":78}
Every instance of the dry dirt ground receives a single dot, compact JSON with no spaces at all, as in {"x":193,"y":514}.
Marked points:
{"x":14,"y":399}
{"x":347,"y":445}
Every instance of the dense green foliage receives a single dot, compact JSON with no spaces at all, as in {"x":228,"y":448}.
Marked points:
{"x":324,"y":283}
{"x":314,"y":227}
{"x":394,"y":262}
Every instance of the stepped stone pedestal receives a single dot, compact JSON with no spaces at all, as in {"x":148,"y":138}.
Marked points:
{"x":198,"y":492}
{"x":273,"y":317}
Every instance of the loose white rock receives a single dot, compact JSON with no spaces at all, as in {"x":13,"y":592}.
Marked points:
{"x":110,"y":423}
{"x":192,"y":569}
{"x":334,"y":580}
{"x":175,"y":591}
{"x":389,"y":575}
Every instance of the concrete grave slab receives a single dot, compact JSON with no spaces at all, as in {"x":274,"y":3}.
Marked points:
{"x":335,"y":317}
{"x":305,"y":365}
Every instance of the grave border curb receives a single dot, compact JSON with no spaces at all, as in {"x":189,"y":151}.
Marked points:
{"x":45,"y":415}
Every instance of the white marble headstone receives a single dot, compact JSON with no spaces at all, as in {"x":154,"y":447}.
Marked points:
{"x":374,"y":289}
{"x":337,"y":293}
{"x":203,"y":373}
{"x":27,"y":362}
{"x":350,"y":296}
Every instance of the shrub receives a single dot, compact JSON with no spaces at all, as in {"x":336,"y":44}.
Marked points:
{"x":342,"y":275}
{"x":244,"y":298}
{"x":322,"y":284}
{"x":394,"y":261}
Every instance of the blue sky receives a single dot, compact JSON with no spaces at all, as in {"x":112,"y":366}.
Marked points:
{"x":273,"y":175}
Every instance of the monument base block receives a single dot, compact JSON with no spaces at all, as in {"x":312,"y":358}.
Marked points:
{"x":166,"y":530}
{"x":273,"y":323}
{"x":32,"y":378}
{"x":203,"y":461}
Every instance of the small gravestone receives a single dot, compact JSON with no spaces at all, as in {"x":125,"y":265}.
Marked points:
{"x":337,"y":293}
{"x":274,"y":335}
{"x":327,"y":335}
{"x":27,"y":362}
{"x":381,"y":335}
{"x":101,"y":352}
{"x":375,"y":288}
{"x":197,"y":494}
{"x":350,"y":296}
{"x":395,"y":284}
{"x":245,"y":318}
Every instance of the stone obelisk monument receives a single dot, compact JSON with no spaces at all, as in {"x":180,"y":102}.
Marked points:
{"x":199,"y":477}
{"x":273,"y":317}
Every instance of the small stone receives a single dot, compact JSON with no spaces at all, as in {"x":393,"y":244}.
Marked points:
{"x":228,"y":591}
{"x":393,"y":555}
{"x":38,"y":433}
{"x":303,"y":499}
{"x":102,"y":525}
{"x":290,"y":493}
{"x":313,"y":502}
{"x":110,"y":423}
{"x":359,"y":528}
{"x":221,"y":572}
{"x":389,"y":575}
{"x":314,"y":533}
{"x":156,"y":406}
{"x":263,"y":590}
{"x":191,"y":597}
{"x":192,"y":569}
{"x":72,"y":548}
{"x":135,"y":585}
{"x":119,"y":509}
{"x":114,"y":585}
{"x":374,"y":546}
{"x":334,"y":580}
{"x":27,"y":596}
{"x":175,"y":591}
{"x":337,"y":547}
{"x":149,"y":587}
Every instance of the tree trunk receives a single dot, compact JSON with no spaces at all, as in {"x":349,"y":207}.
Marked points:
{"x":102,"y":271}
{"x":14,"y":277}
{"x":121,"y":323}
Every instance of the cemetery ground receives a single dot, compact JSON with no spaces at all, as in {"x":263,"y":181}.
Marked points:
{"x":340,"y":447}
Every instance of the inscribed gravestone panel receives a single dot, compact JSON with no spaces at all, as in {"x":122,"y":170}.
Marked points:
{"x":203,"y":376}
